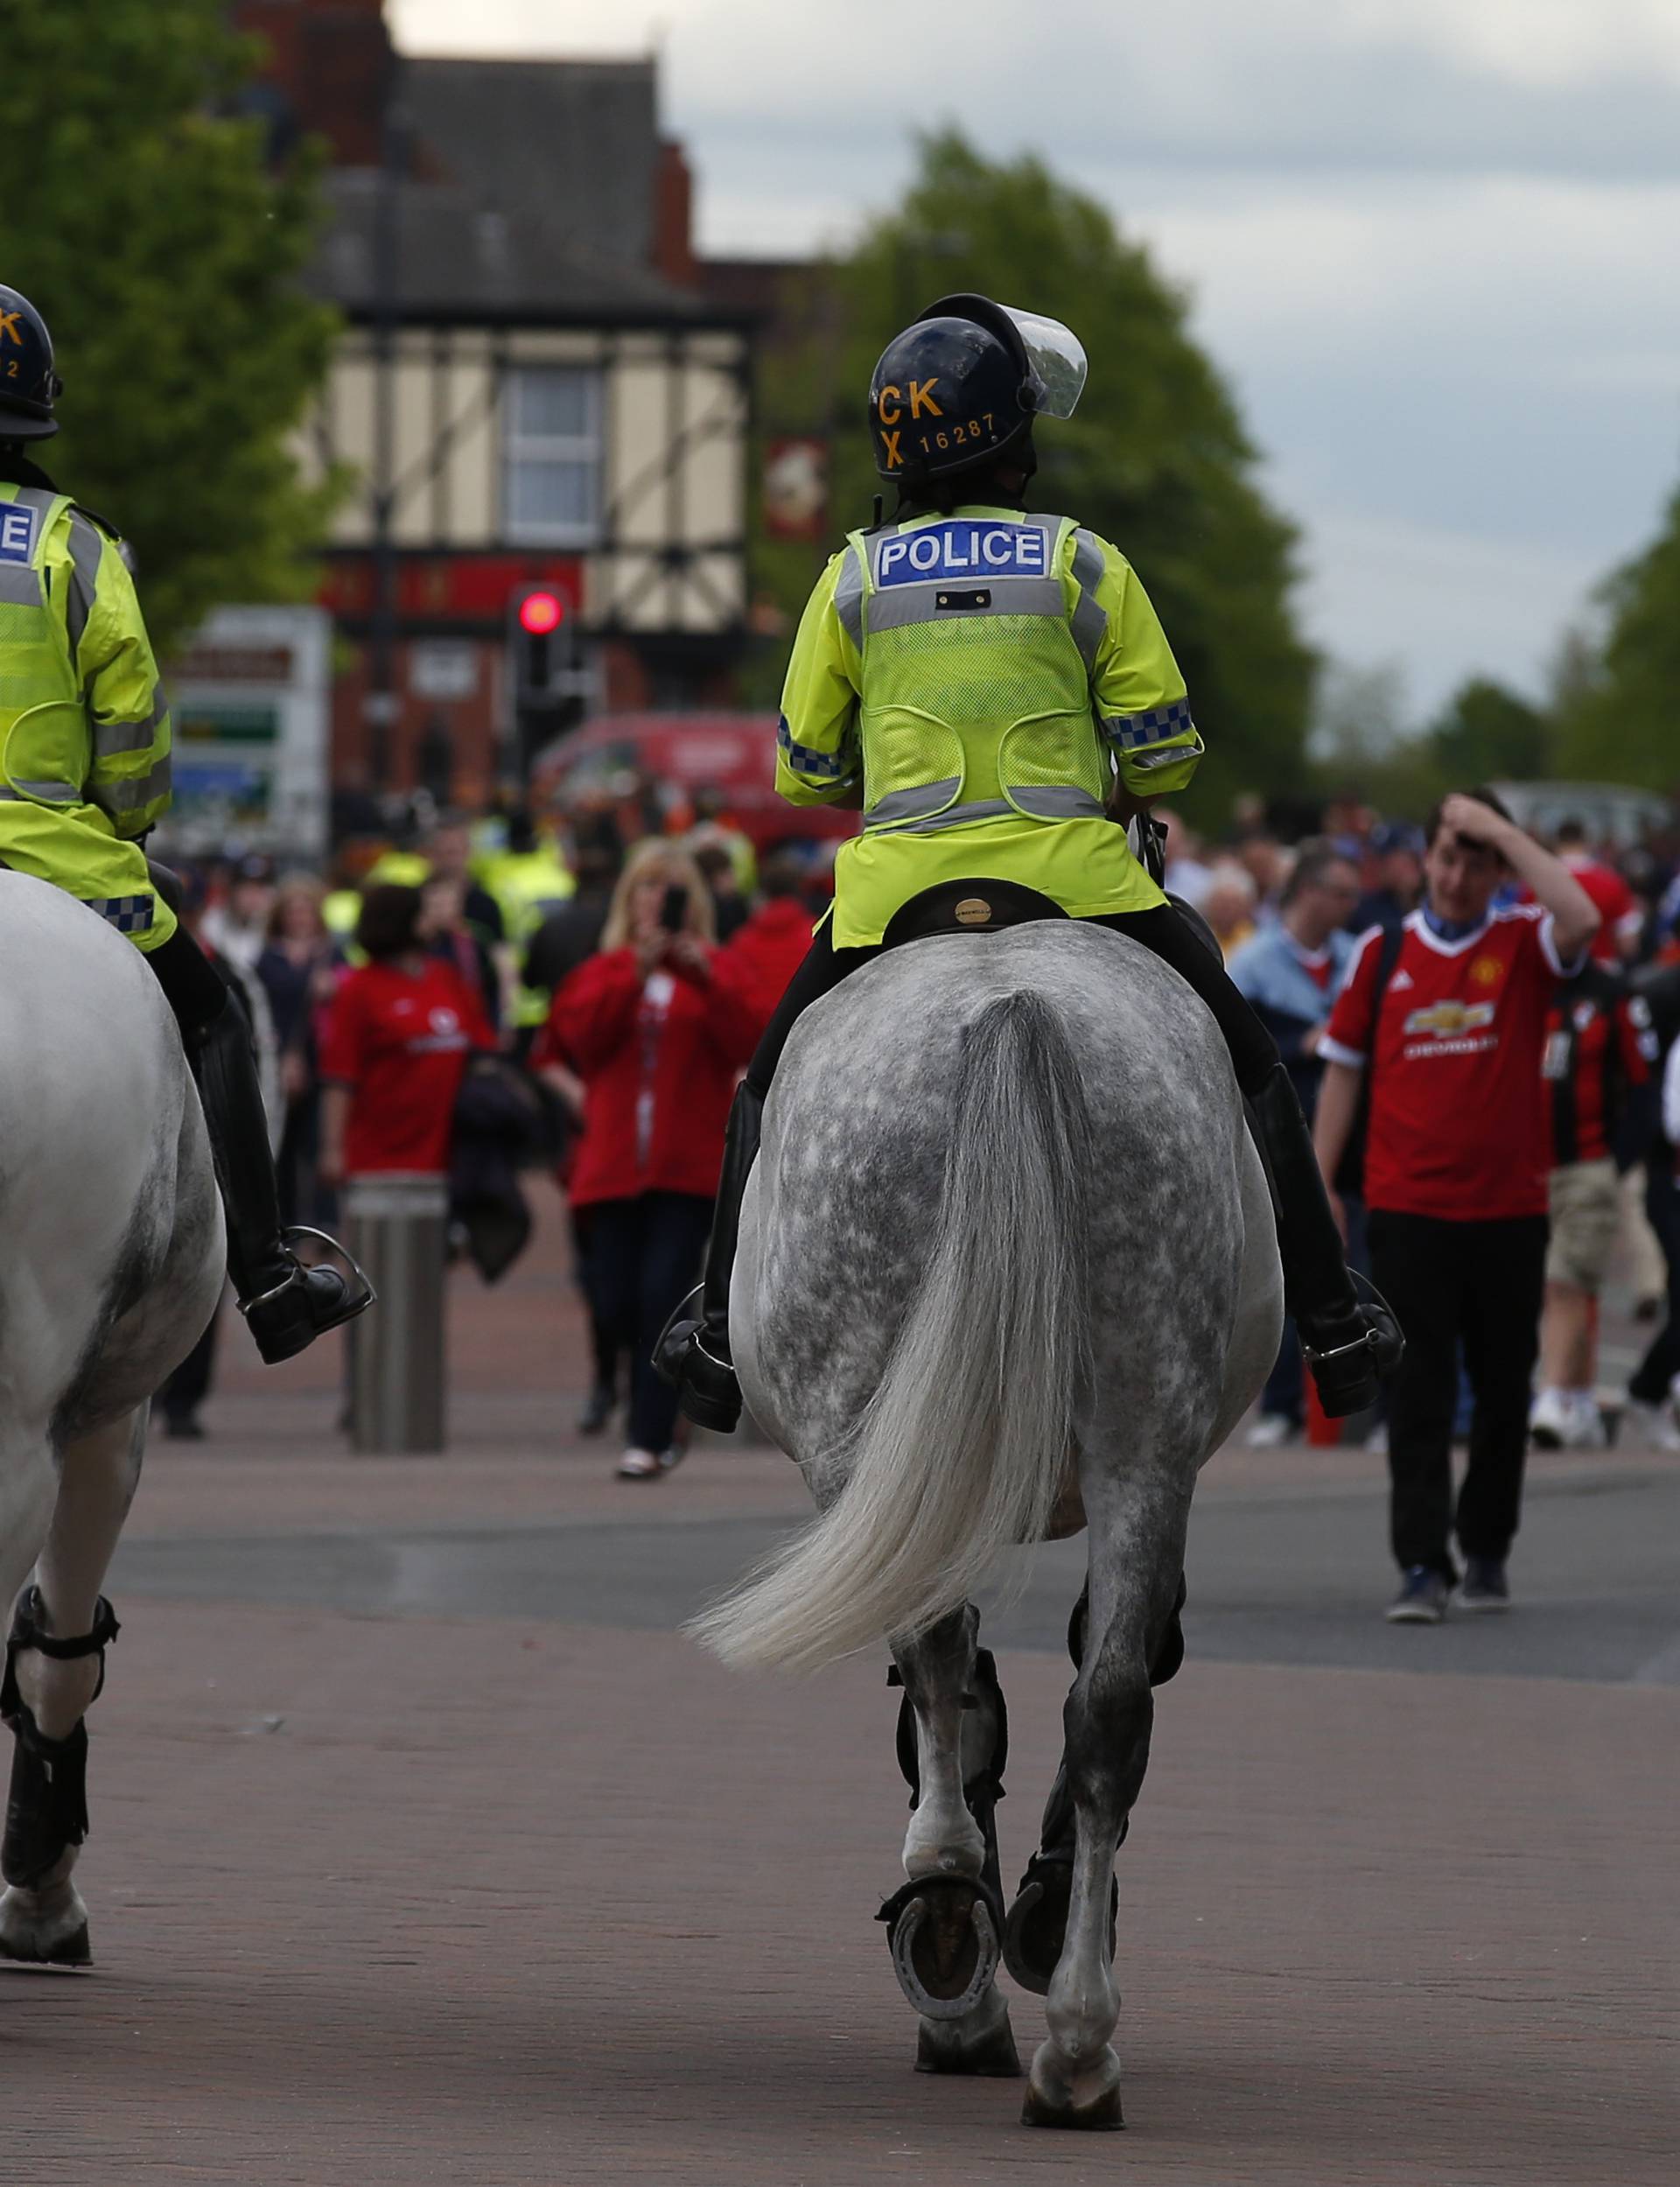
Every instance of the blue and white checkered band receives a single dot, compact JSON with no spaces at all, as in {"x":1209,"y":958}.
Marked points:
{"x":128,"y":915}
{"x":17,"y":531}
{"x":968,"y":547}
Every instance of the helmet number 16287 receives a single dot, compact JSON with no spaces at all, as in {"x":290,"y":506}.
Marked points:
{"x":976,"y":429}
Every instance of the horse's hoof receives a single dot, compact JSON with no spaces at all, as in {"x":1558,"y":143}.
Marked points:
{"x":1087,"y":2100}
{"x":45,"y":1928}
{"x":943,"y":1937}
{"x":983,"y":2045}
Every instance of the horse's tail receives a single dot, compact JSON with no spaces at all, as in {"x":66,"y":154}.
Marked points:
{"x":964,"y":1449}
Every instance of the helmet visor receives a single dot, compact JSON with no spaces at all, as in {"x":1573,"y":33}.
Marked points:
{"x":1057,"y":358}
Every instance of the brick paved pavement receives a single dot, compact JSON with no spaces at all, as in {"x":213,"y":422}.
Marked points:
{"x":506,"y":1899}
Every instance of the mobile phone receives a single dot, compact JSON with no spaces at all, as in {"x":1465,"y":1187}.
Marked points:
{"x":674,"y":908}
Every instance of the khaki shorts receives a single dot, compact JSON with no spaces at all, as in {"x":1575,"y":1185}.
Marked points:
{"x":1585,"y":1217}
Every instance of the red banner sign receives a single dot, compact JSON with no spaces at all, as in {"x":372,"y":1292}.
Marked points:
{"x":450,"y":588}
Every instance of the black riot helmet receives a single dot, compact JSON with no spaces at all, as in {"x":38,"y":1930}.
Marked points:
{"x":962,"y":387}
{"x":29,"y":386}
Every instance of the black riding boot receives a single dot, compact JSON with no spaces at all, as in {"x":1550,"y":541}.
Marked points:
{"x":285,"y":1305}
{"x":693,"y":1354}
{"x":1350,"y":1346}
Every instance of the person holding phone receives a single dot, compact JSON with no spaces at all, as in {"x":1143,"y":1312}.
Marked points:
{"x":655,"y":1028}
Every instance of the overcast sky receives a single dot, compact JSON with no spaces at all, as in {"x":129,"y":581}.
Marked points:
{"x":1432,"y":243}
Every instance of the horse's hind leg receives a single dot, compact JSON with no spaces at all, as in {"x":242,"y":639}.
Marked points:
{"x":944,"y":1924}
{"x":1037,"y":1926}
{"x":1137,"y":1556}
{"x":47,"y":1694}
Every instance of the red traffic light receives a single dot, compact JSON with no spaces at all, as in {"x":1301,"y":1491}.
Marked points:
{"x":540,"y":612}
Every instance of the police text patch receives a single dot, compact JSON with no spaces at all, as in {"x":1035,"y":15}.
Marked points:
{"x":963,"y":547}
{"x":17,"y":531}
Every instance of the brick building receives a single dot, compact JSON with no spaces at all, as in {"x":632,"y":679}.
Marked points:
{"x":533,"y":385}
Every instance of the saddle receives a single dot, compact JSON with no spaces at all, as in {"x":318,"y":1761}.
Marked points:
{"x":968,"y":907}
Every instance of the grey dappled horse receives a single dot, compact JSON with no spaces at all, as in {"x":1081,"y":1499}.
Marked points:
{"x":1007,"y":1265}
{"x":111,"y":1261}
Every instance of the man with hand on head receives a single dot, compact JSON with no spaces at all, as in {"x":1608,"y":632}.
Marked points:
{"x":1450,"y":1028}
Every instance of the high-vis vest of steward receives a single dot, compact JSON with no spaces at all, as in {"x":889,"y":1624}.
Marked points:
{"x":976,"y":700}
{"x":84,"y":723}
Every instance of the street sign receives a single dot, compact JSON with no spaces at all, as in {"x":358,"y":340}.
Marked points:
{"x":251,"y":705}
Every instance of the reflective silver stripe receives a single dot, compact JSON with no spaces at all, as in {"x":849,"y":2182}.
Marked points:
{"x":1169,"y":755}
{"x":848,"y":598}
{"x":115,"y":797}
{"x":112,"y":739}
{"x":1088,"y":563}
{"x":1087,"y":621}
{"x":914,"y":811}
{"x":1154,"y":725}
{"x":953,"y":817}
{"x":86,"y":547}
{"x":40,"y":793}
{"x":912,"y":804}
{"x":936,"y":599}
{"x":1055,"y":800}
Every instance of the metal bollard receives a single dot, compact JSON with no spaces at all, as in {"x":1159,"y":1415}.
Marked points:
{"x":398,"y":1230}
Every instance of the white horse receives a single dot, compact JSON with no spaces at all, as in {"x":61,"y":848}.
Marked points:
{"x":111,"y":1262}
{"x":1007,"y":1265}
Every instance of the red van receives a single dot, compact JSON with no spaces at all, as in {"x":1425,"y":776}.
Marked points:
{"x":734,"y":754}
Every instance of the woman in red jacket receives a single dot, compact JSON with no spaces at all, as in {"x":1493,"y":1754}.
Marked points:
{"x":658,"y":1028}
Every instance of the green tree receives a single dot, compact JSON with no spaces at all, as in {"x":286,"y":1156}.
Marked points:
{"x":1620,"y":714}
{"x":1156,"y":458}
{"x":1486,"y":732}
{"x":141,"y":218}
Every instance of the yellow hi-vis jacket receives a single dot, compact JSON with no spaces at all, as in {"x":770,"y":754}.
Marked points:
{"x":528,"y":885}
{"x":84,"y":724}
{"x":982,"y":675}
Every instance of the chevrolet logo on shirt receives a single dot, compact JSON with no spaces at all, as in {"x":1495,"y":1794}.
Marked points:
{"x":1446,"y":1019}
{"x":963,"y":546}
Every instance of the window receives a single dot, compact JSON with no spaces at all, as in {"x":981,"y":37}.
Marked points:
{"x":552,"y":486}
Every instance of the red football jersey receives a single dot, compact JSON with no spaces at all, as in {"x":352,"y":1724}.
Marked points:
{"x":1459,"y":1123}
{"x":401,"y":1042}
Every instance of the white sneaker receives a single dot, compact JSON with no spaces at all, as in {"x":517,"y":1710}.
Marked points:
{"x":1269,"y":1430}
{"x":1586,"y":1430}
{"x":649,"y":1465}
{"x":1654,"y":1424}
{"x":1551,"y":1418}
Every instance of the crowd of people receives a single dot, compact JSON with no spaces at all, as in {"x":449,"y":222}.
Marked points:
{"x":1494,"y":1116}
{"x":624,"y":983}
{"x":1484,"y":1028}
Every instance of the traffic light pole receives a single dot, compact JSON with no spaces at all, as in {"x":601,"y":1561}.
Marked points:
{"x":547,"y":686}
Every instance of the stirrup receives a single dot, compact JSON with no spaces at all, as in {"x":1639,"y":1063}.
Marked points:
{"x":671,"y":1343}
{"x":1358,"y":1368}
{"x":288,"y":1317}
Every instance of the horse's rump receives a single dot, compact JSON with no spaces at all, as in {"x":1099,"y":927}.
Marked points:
{"x":107,"y":1196}
{"x":1003,"y":1197}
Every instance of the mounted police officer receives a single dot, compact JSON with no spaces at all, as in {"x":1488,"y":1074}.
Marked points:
{"x":994,"y":691}
{"x":84,"y":775}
